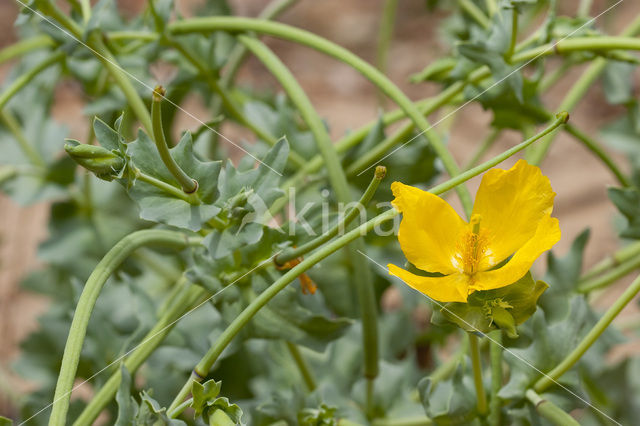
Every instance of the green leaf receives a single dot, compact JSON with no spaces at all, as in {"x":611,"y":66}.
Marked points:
{"x":151,"y":413}
{"x":618,"y":82}
{"x":159,"y":206}
{"x":550,"y":343}
{"x":4,"y":421}
{"x":503,"y":307}
{"x":322,"y":416}
{"x":627,"y":200}
{"x":451,"y":401}
{"x":203,"y":393}
{"x":127,"y":405}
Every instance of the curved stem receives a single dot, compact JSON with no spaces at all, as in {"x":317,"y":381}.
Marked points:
{"x":581,"y":86}
{"x":545,"y":381}
{"x":595,"y":147}
{"x":477,"y":374}
{"x":90,"y":293}
{"x":235,"y":24}
{"x":187,"y":299}
{"x":550,"y":411}
{"x":361,"y":273}
{"x":495,"y":353}
{"x":25,"y":46}
{"x":205,"y":364}
{"x":14,"y":127}
{"x":301,"y":363}
{"x":623,"y":269}
{"x":25,"y":78}
{"x":169,"y":189}
{"x":295,"y":252}
{"x":189,"y":185}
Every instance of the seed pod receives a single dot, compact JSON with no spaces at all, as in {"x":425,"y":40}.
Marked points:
{"x":103,"y":163}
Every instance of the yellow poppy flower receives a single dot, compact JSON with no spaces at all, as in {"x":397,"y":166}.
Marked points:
{"x":511,"y":217}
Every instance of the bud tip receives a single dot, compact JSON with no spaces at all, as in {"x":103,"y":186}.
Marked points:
{"x":381,"y":172}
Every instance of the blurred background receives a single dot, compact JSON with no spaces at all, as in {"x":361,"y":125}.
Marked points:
{"x":346,"y":101}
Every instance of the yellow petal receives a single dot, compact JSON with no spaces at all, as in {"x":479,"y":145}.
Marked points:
{"x":429,"y":229}
{"x":511,"y":203}
{"x":450,"y":288}
{"x":547,"y":234}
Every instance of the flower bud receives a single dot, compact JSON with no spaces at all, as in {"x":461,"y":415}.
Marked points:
{"x":103,"y":163}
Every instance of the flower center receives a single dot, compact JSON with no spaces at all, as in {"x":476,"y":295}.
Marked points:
{"x":473,"y":247}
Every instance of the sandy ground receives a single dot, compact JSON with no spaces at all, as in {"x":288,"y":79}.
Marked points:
{"x":347,"y":101}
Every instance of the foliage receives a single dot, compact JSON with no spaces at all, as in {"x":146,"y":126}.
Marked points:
{"x":223,"y":309}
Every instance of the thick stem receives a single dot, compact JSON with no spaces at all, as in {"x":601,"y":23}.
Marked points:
{"x":410,"y":421}
{"x":293,"y":253}
{"x":90,"y":293}
{"x":514,"y":34}
{"x":235,"y":24}
{"x":25,"y":46}
{"x":495,"y":403}
{"x":474,"y":348}
{"x":188,"y":298}
{"x":188,"y":184}
{"x":550,"y":411}
{"x":302,"y":365}
{"x":25,"y":78}
{"x":547,"y":380}
{"x":361,"y":273}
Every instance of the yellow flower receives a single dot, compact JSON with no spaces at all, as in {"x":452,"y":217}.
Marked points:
{"x":511,"y":217}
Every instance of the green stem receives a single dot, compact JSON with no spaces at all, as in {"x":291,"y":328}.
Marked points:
{"x":588,"y":340}
{"x":189,"y":185}
{"x":624,"y":269}
{"x":188,"y":298}
{"x":585,"y":8}
{"x":85,"y":6}
{"x":477,"y":374}
{"x":50,"y":9}
{"x":446,"y":369}
{"x":305,"y":372}
{"x":122,"y":80}
{"x":295,"y":252}
{"x":91,"y":290}
{"x":595,"y":148}
{"x":169,"y":189}
{"x":620,"y":256}
{"x":25,"y":78}
{"x":236,"y":24}
{"x":495,"y":353}
{"x":14,"y":127}
{"x":385,"y":34}
{"x":486,"y":144}
{"x":205,"y":364}
{"x":550,"y":411}
{"x":475,"y":13}
{"x":361,"y":273}
{"x":23,"y":47}
{"x":514,"y":34}
{"x":229,"y":104}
